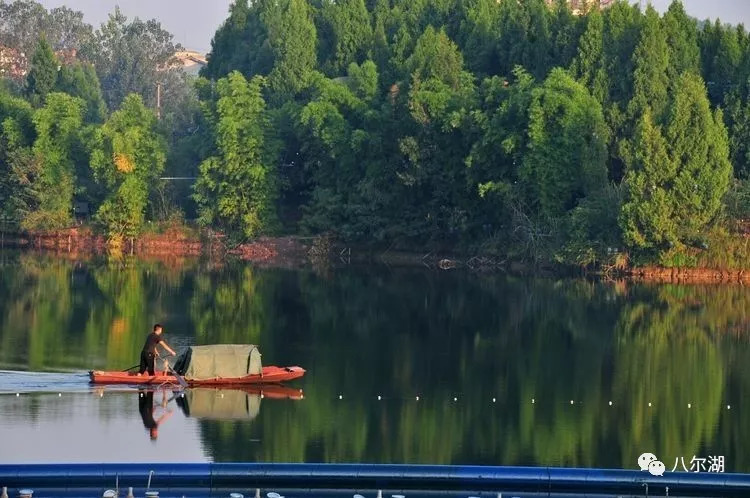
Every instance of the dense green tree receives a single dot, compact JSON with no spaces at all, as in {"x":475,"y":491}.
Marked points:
{"x":622,"y":25}
{"x":682,"y":38}
{"x":42,"y":74}
{"x":363,"y":79}
{"x":721,"y":58}
{"x":241,"y":43}
{"x":436,"y":56}
{"x":650,"y":68}
{"x":293,"y":38}
{"x":128,"y":156}
{"x":678,"y":174}
{"x":19,"y":167}
{"x":80,"y":80}
{"x":440,"y":100}
{"x":479,"y":32}
{"x":699,"y":143}
{"x":566,"y":158}
{"x":496,"y":156}
{"x":349,"y":30}
{"x":58,"y":126}
{"x":738,"y":122}
{"x":589,"y":65}
{"x":525,"y":37}
{"x":647,"y":217}
{"x":237,"y":189}
{"x":565,"y":31}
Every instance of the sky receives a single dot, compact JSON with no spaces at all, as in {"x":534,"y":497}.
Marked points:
{"x":194,"y":22}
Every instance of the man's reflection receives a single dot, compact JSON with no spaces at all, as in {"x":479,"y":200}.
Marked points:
{"x":147,"y":410}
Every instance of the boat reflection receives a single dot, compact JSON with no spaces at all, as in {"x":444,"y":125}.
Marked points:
{"x":231,"y":404}
{"x":206,"y":403}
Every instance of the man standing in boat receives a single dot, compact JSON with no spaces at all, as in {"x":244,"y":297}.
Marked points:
{"x":148,"y":353}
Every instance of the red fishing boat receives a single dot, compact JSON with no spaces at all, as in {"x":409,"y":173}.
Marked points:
{"x":224,"y":364}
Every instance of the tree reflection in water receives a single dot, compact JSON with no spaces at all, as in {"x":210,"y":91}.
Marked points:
{"x":403,"y":333}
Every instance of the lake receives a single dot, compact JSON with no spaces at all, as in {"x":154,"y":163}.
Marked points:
{"x":404,"y":365}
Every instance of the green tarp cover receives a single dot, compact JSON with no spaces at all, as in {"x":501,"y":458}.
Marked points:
{"x":219,"y":361}
{"x":220,"y":404}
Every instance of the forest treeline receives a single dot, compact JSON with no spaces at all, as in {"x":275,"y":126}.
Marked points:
{"x":507,"y":127}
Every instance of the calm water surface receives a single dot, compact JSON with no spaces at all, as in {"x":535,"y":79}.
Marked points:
{"x":469,"y":368}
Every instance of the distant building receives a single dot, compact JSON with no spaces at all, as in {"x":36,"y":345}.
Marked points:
{"x":13,"y":63}
{"x":581,"y":7}
{"x":191,"y":62}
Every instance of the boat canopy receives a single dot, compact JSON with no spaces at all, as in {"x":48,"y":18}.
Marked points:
{"x":219,"y":361}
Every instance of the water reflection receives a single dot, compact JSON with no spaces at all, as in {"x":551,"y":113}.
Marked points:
{"x":148,"y":411}
{"x":491,"y":342}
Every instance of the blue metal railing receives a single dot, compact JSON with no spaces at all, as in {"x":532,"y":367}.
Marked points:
{"x":187,"y":478}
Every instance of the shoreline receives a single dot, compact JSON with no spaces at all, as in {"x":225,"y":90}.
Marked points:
{"x":177,"y":243}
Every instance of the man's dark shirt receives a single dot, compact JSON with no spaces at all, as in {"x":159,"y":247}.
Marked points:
{"x":151,"y":341}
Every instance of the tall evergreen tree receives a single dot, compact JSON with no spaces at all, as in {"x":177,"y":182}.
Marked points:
{"x":589,"y":65}
{"x":350,"y":32}
{"x":682,"y":38}
{"x":293,"y":38}
{"x":677,"y":177}
{"x":700,"y":146}
{"x":650,"y":65}
{"x":647,"y":216}
{"x":80,"y":80}
{"x":43,"y":73}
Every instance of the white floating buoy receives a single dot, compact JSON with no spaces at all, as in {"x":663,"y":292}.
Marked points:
{"x":649,"y":404}
{"x":610,"y":403}
{"x":729,"y":407}
{"x":379,"y":397}
{"x":690,"y":405}
{"x":571,"y":401}
{"x":532,"y":401}
{"x":417,"y":398}
{"x":59,"y":395}
{"x":341,"y":396}
{"x":454,"y":399}
{"x":494,"y":400}
{"x":18,"y":394}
